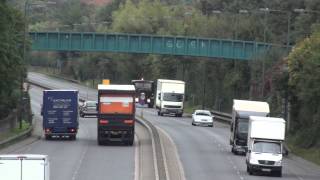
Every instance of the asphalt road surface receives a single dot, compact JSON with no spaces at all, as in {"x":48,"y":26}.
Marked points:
{"x":205,"y":152}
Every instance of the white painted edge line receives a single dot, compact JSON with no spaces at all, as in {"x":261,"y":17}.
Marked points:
{"x":84,"y":152}
{"x":155,"y":165}
{"x":136,"y":158}
{"x":180,"y":166}
{"x":164,"y":156}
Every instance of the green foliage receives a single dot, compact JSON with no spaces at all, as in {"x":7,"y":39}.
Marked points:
{"x":304,"y":82}
{"x":11,"y":51}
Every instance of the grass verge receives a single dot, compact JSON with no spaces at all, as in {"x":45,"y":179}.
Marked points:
{"x":311,"y":154}
{"x":15,"y":131}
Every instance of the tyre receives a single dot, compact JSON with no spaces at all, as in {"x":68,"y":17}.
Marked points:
{"x":72,"y":137}
{"x":48,"y":137}
{"x":249,"y":170}
{"x":81,"y":115}
{"x":193,"y":123}
{"x":211,"y":125}
{"x":179,"y":115}
{"x":278,"y":173}
{"x":158,"y":113}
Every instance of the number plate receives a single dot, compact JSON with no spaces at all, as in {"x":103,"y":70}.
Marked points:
{"x":265,"y":169}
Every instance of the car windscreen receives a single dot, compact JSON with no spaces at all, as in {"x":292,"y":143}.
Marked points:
{"x":91,"y":104}
{"x":174,"y":97}
{"x":267,"y":147}
{"x":202,"y":114}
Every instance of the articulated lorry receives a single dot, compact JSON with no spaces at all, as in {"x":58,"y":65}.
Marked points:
{"x":60,"y":113}
{"x":170,"y":97}
{"x":241,"y":111}
{"x":265,"y":145}
{"x":116,"y":113}
{"x":24,"y":167}
{"x":144,"y":92}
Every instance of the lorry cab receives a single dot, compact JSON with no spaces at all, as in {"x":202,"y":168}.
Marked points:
{"x":170,"y":97}
{"x":116,"y":114}
{"x":265,"y":145}
{"x":24,"y":167}
{"x":241,"y":111}
{"x":144,"y":92}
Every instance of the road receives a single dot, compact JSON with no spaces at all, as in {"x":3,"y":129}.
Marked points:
{"x":204,"y":151}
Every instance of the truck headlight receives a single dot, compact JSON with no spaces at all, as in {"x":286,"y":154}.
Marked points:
{"x":137,"y":100}
{"x":278,"y":163}
{"x":148,"y":100}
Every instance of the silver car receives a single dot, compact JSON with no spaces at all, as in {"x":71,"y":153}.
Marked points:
{"x":89,"y":108}
{"x":202,"y":117}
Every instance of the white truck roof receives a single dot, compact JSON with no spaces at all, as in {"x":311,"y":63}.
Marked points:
{"x":116,"y":87}
{"x":24,"y":156}
{"x":245,"y":108}
{"x":171,"y":81}
{"x":266,"y":128}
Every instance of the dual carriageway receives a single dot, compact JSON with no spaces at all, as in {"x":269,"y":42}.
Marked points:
{"x":188,"y":152}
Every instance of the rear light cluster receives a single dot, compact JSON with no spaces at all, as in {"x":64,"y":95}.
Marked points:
{"x":47,"y":130}
{"x":128,"y":121}
{"x":103,"y":121}
{"x":72,"y":130}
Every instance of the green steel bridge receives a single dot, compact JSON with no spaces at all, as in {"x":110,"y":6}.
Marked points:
{"x":150,"y":44}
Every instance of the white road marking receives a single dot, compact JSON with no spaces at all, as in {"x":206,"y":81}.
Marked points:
{"x":136,"y":158}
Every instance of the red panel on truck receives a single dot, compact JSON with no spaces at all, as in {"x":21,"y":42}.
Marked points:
{"x":116,"y":104}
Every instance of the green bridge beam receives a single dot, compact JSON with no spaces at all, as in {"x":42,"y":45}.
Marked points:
{"x":151,"y":44}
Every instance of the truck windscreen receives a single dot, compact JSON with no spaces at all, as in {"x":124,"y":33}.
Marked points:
{"x":243,"y":125}
{"x":174,"y":97}
{"x":143,"y":86}
{"x":267,"y":147}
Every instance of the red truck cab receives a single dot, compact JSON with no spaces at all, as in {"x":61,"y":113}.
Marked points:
{"x":116,"y":114}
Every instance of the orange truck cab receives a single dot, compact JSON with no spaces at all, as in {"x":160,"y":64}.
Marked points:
{"x":116,"y":113}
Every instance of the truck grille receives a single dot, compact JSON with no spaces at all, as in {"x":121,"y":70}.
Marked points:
{"x":266,"y":162}
{"x":169,"y":106}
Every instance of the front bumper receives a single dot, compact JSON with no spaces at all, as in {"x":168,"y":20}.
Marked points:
{"x":259,"y":167}
{"x":203,"y":123}
{"x":170,"y":110}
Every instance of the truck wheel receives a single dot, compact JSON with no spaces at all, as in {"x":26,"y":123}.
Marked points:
{"x":48,"y":137}
{"x":73,"y":137}
{"x":158,"y":113}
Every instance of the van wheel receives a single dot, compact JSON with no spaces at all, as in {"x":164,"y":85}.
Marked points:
{"x":158,"y":113}
{"x":249,"y":171}
{"x":278,"y":173}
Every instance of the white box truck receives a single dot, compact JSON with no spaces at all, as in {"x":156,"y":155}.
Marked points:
{"x":169,"y":97}
{"x":24,"y":167}
{"x":265,"y":145}
{"x":241,"y":111}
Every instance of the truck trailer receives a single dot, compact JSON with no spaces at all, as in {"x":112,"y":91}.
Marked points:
{"x":241,"y":111}
{"x":265,"y":145}
{"x":116,"y":114}
{"x":24,"y":167}
{"x":60,"y":113}
{"x":170,"y":97}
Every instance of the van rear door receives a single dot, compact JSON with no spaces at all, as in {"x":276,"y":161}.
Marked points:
{"x":10,"y":169}
{"x":33,"y":169}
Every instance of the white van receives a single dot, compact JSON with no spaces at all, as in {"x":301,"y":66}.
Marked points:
{"x":24,"y":167}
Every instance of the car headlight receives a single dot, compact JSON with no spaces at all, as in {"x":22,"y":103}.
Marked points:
{"x":253,"y":161}
{"x":148,"y":100}
{"x":278,"y":163}
{"x":137,"y":99}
